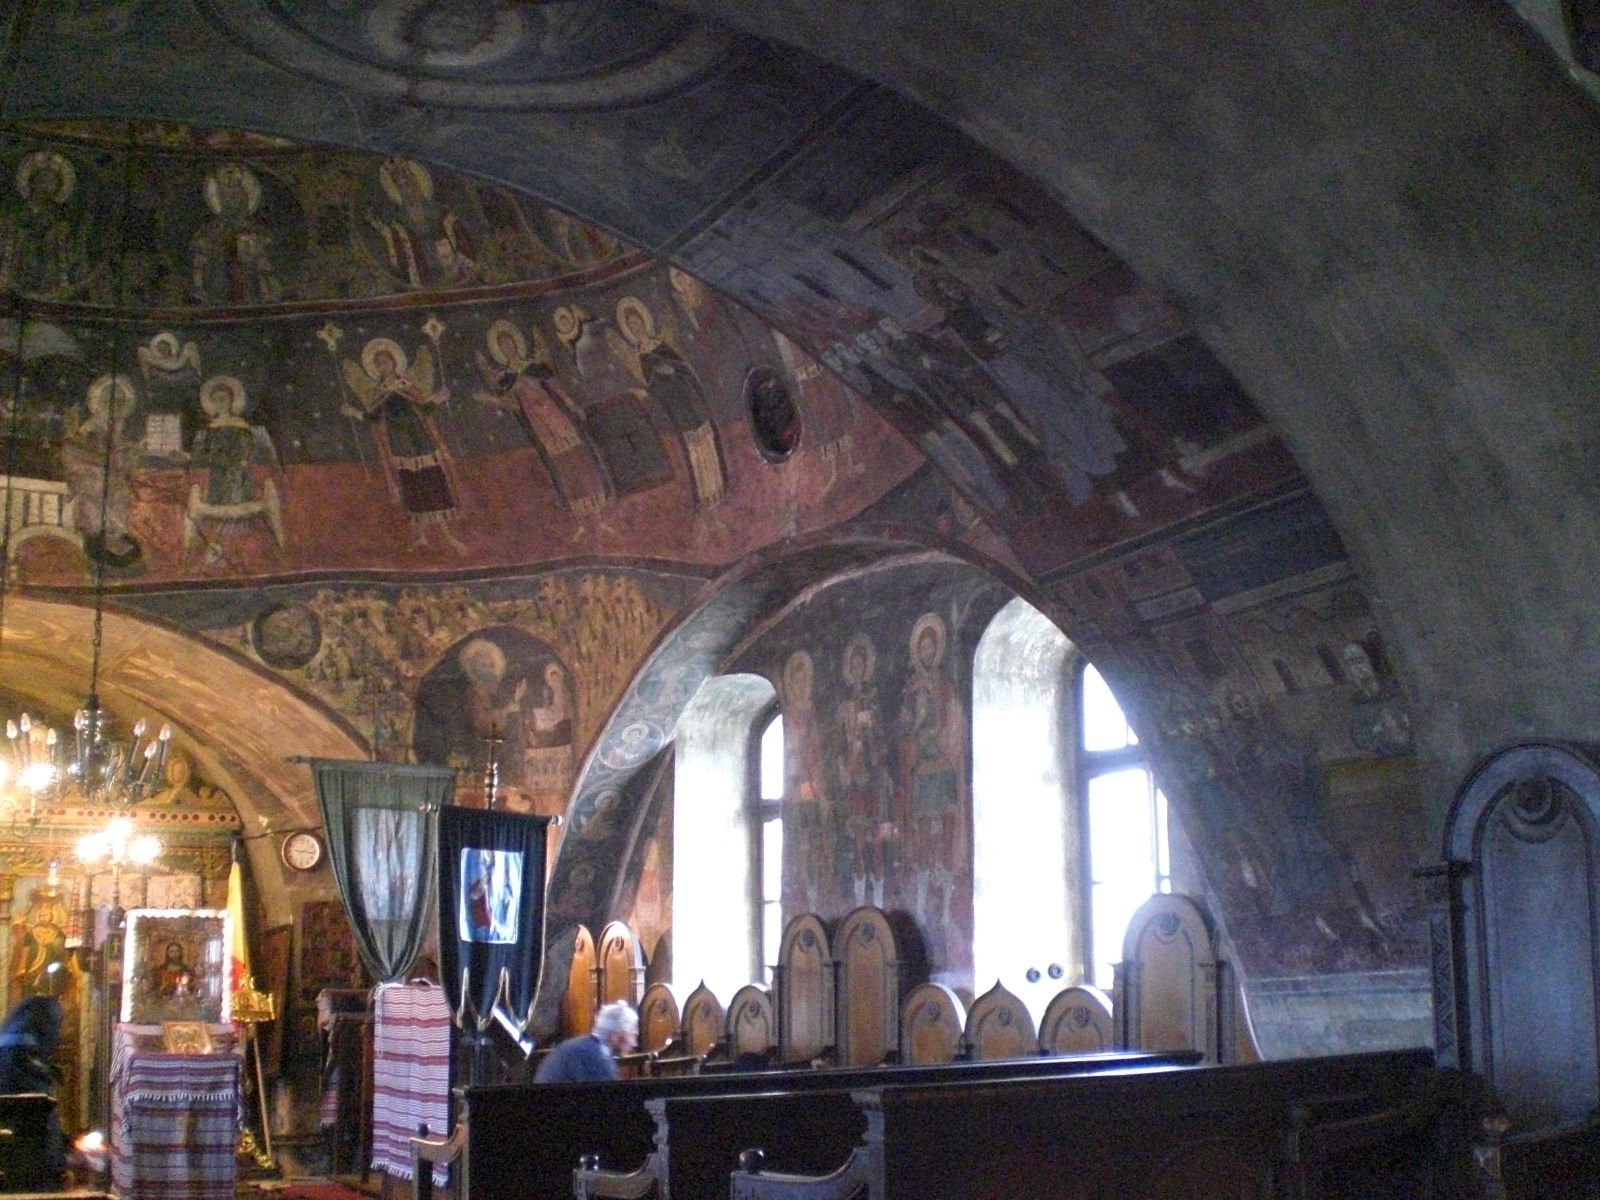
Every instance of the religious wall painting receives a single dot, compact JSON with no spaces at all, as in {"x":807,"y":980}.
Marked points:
{"x":235,"y":255}
{"x":808,"y":810}
{"x":237,"y":496}
{"x":44,"y":231}
{"x":934,"y":811}
{"x":418,"y":234}
{"x":503,"y":692}
{"x":522,"y":380}
{"x":224,"y":222}
{"x":396,"y":394}
{"x":45,"y":936}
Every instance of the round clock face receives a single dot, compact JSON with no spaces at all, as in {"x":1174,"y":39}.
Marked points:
{"x":302,"y":851}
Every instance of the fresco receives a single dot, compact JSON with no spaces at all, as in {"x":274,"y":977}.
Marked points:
{"x":170,"y":222}
{"x":594,"y":403}
{"x":427,"y":671}
{"x":874,"y":676}
{"x":1068,"y":403}
{"x":1259,"y":680}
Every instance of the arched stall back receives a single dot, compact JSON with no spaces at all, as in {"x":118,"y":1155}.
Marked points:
{"x":1514,"y":913}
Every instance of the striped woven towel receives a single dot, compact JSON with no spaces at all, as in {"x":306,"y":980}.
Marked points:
{"x":176,"y":1127}
{"x":410,"y":1073}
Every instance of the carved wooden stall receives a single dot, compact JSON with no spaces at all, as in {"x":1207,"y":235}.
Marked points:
{"x":1171,"y":991}
{"x":751,"y":1033}
{"x":1077,"y":1020}
{"x":659,"y":1017}
{"x":1515,"y":918}
{"x":999,"y":1026}
{"x":619,"y":970}
{"x":704,"y":1021}
{"x":803,"y":982}
{"x":578,"y":1004}
{"x":868,"y":1005}
{"x":931,"y":1024}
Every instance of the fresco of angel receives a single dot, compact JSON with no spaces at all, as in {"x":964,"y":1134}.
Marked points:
{"x":395,"y":396}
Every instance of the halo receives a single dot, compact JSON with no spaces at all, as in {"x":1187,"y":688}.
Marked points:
{"x":247,"y":177}
{"x":799,"y":661}
{"x":231,"y":385}
{"x":632,"y":304}
{"x":370,"y":351}
{"x":568,"y":321}
{"x":928,"y":621}
{"x":59,"y":163}
{"x":483,"y":647}
{"x":418,"y":172}
{"x":862,"y":643}
{"x":520,"y":343}
{"x":99,"y":388}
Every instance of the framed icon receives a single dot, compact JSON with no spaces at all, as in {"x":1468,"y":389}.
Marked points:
{"x":186,"y":1037}
{"x":175,"y":966}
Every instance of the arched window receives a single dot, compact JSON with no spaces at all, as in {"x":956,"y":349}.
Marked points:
{"x":767,"y":830}
{"x":722,"y":872}
{"x":1125,"y":815}
{"x":1069,"y":830}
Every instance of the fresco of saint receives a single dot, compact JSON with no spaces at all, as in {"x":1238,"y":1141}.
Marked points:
{"x":673,"y":384}
{"x":526,"y":384}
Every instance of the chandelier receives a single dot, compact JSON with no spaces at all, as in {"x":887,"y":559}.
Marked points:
{"x":98,"y":769}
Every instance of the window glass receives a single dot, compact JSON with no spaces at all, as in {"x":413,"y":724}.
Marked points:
{"x":772,"y":760}
{"x":1104,"y":726}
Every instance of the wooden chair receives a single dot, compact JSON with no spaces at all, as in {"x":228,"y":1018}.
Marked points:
{"x":660,"y":1018}
{"x":1077,"y":1021}
{"x":704,"y":1022}
{"x":931,"y":1024}
{"x":578,"y":1004}
{"x":1000,"y":1026}
{"x":803,"y":983}
{"x":868,"y":996}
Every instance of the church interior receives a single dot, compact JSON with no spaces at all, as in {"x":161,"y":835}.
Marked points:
{"x":776,"y":443}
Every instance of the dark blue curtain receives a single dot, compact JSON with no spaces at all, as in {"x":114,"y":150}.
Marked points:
{"x":491,"y":910}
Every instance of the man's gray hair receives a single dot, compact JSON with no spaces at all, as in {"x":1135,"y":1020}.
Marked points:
{"x":614,"y":1018}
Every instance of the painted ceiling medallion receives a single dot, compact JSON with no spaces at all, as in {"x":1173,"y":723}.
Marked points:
{"x":481,"y":53}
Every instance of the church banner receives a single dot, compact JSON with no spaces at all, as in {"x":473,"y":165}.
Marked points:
{"x":380,"y":826}
{"x":491,"y":909}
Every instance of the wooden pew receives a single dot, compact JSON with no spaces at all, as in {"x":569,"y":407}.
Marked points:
{"x":525,"y":1139}
{"x":1211,"y":1132}
{"x":697,"y":1139}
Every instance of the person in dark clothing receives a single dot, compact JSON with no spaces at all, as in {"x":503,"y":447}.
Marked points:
{"x":592,"y":1055}
{"x":28,"y":1041}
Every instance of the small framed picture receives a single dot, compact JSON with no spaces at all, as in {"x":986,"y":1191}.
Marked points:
{"x":175,"y":966}
{"x":186,"y":1037}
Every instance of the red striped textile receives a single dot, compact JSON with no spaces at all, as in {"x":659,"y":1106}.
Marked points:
{"x":175,"y":1127}
{"x":410,"y":1073}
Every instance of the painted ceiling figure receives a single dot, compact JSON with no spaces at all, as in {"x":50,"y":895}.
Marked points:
{"x":171,"y":374}
{"x":673,"y":384}
{"x":231,"y":253}
{"x":395,"y":397}
{"x":98,"y":459}
{"x":42,"y":248}
{"x":230,"y":449}
{"x":527,"y":385}
{"x":425,"y":243}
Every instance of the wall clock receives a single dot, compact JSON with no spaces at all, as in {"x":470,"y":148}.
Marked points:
{"x":302,"y":851}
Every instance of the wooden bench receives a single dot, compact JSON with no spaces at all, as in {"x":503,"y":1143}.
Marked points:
{"x":1212,"y":1131}
{"x":697,"y":1139}
{"x":525,"y":1139}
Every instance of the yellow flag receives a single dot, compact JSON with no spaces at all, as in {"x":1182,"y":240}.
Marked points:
{"x":238,"y":949}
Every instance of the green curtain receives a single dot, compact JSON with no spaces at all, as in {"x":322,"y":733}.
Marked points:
{"x":382,"y":826}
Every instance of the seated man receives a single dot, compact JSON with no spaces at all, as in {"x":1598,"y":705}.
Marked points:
{"x":592,"y":1055}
